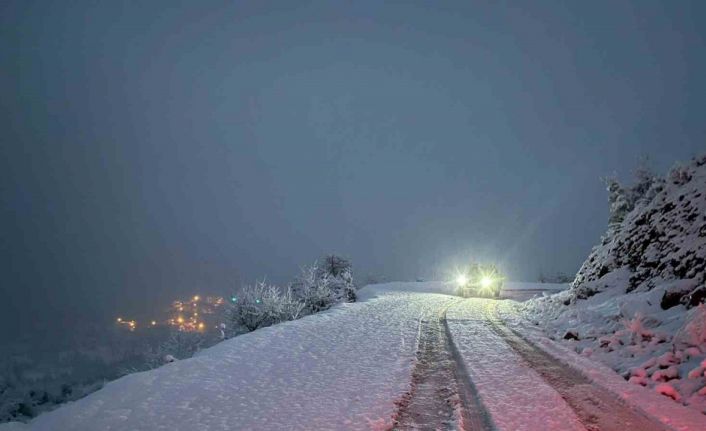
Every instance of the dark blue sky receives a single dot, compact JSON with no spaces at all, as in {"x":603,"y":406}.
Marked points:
{"x":151,"y":149}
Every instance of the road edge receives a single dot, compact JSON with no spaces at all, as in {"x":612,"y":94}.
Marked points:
{"x":653,"y":405}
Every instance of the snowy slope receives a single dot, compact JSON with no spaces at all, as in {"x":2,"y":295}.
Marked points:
{"x":637,"y":302}
{"x":341,"y":369}
{"x":663,"y":238}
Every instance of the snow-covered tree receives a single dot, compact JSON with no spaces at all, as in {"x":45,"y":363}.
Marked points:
{"x":317,"y":288}
{"x":313,"y":288}
{"x":340,"y":273}
{"x":619,"y":201}
{"x":321,"y":286}
{"x":334,"y":266}
{"x":262,"y":305}
{"x":624,"y":199}
{"x":646,"y":184}
{"x":343,"y":287}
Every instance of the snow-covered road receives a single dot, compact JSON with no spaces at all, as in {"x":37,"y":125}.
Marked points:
{"x":377,"y":364}
{"x":542,"y":393}
{"x":442,"y":396}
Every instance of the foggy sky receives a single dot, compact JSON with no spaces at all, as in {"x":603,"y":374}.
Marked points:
{"x":155,"y":149}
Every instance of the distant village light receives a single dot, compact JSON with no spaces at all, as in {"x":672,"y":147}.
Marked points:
{"x":201,"y":306}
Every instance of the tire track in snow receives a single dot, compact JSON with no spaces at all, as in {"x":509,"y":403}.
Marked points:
{"x":442,"y":396}
{"x":477,"y":417}
{"x":597,"y":409}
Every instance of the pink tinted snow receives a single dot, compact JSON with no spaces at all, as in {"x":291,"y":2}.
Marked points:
{"x":515,"y":395}
{"x":653,"y":403}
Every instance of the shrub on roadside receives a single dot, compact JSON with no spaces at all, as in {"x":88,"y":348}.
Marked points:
{"x":317,"y":288}
{"x":262,"y":305}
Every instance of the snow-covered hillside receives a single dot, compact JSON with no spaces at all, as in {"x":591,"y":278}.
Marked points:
{"x":662,"y":239}
{"x":339,"y":369}
{"x":637,"y":302}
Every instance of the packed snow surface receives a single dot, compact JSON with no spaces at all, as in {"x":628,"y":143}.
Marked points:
{"x":516,"y":397}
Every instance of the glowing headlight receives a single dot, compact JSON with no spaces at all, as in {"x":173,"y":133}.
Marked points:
{"x":461,"y":280}
{"x":486,"y":282}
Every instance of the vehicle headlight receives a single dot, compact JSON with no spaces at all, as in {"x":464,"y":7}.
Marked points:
{"x":461,"y":280}
{"x":486,"y":282}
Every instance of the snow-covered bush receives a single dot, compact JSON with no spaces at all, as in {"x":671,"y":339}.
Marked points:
{"x":618,"y":197}
{"x":313,"y":288}
{"x":645,"y":186}
{"x":321,"y":286}
{"x":334,"y":266}
{"x":340,"y":273}
{"x":343,"y":287}
{"x":262,"y":305}
{"x":624,"y":199}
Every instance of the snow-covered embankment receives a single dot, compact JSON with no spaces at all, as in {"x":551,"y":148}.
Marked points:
{"x":340,"y":369}
{"x":637,"y":304}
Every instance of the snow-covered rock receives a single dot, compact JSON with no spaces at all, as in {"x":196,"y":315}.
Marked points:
{"x":662,"y":239}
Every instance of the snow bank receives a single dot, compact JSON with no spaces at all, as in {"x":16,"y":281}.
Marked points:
{"x":339,"y":369}
{"x":652,"y":403}
{"x":634,"y":336}
{"x":637,"y":302}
